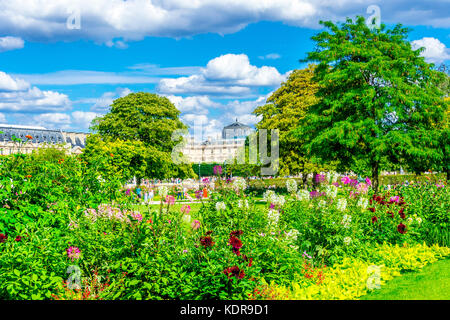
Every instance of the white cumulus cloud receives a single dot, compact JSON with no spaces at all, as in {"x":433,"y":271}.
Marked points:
{"x":10,"y":43}
{"x":435,"y":51}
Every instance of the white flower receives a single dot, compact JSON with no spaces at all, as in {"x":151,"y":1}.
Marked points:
{"x":410,"y":220}
{"x":346,"y":219}
{"x":291,"y":186}
{"x":243,"y":204}
{"x":362,"y":203}
{"x":347,"y":240}
{"x":332,"y":176}
{"x":341,"y":204}
{"x":292,"y":235}
{"x":239,"y":183}
{"x":331,"y":191}
{"x":186,"y":218}
{"x":322,"y":204}
{"x":303,"y":195}
{"x":269,"y":195}
{"x":419,"y":220}
{"x":273,"y":216}
{"x":163,"y":191}
{"x":272,"y":198}
{"x":279,"y":201}
{"x":220,"y":206}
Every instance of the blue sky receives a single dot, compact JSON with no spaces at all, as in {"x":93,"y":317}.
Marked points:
{"x":215,"y":60}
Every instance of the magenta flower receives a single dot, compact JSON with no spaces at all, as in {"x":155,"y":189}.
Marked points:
{"x":345,"y":180}
{"x":394,"y":199}
{"x":186,"y":209}
{"x":195,"y":224}
{"x":137,"y":216}
{"x":217,"y":170}
{"x":170,"y":200}
{"x":368,"y":182}
{"x":73,"y":253}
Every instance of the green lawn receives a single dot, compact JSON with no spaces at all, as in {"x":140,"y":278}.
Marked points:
{"x":431,"y":283}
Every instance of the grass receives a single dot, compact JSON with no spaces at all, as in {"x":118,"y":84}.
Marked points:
{"x":431,"y":283}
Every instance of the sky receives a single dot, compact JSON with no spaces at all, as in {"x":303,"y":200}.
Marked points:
{"x":63,"y":62}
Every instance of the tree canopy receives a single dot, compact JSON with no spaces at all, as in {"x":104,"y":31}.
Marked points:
{"x":378,"y":99}
{"x":136,"y":138}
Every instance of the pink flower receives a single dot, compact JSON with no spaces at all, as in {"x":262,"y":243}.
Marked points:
{"x":137,"y":216}
{"x":394,"y":199}
{"x":369,"y":183}
{"x":362,"y":187}
{"x":73,"y":253}
{"x":345,"y":180}
{"x":186,"y":209}
{"x":195,"y":224}
{"x":170,"y":200}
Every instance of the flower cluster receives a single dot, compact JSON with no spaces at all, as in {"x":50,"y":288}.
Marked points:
{"x":239,"y":183}
{"x":163,"y":191}
{"x":243,"y":204}
{"x":73,"y":253}
{"x":206,"y":241}
{"x":341,"y":204}
{"x":331,"y":191}
{"x":220,"y":206}
{"x":303,"y":195}
{"x":346,"y":220}
{"x":235,"y":242}
{"x":273,"y":217}
{"x":291,"y":186}
{"x":217,"y":170}
{"x":234,"y":273}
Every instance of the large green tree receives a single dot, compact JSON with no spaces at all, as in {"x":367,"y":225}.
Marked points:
{"x":285,"y":110}
{"x":378,"y":99}
{"x":138,"y":131}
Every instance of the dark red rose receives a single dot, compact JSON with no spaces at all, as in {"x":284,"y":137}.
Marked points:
{"x":401,"y":228}
{"x":374,"y":219}
{"x":3,"y":237}
{"x":18,"y":238}
{"x":234,"y":272}
{"x":402,"y":213}
{"x":372,"y":209}
{"x":206,"y":241}
{"x":236,"y":233}
{"x":235,"y":242}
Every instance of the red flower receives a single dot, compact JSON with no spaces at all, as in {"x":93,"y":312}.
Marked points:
{"x":236,"y":243}
{"x":401,"y":228}
{"x":29,"y":137}
{"x":3,"y":237}
{"x":401,"y":213}
{"x":234,"y":272}
{"x":206,"y":241}
{"x":391,"y":213}
{"x":18,"y":238}
{"x":374,"y":219}
{"x":372,"y":209}
{"x":236,"y":233}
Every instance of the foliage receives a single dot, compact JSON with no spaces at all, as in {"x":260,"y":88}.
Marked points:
{"x":378,"y":100}
{"x":139,"y":129}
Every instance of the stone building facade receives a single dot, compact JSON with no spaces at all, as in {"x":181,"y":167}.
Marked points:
{"x":218,"y":150}
{"x":31,"y":138}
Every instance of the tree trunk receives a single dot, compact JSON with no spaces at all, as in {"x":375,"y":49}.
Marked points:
{"x":375,"y":176}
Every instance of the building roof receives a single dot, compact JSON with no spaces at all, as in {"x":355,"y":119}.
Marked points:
{"x":38,"y":135}
{"x":236,"y":125}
